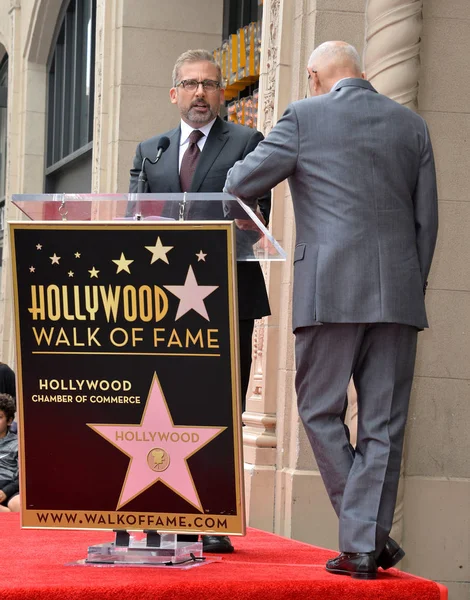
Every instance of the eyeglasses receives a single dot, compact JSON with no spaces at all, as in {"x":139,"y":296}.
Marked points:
{"x":191,"y":85}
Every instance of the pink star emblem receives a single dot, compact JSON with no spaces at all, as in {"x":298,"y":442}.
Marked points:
{"x":191,"y":295}
{"x":158,"y":449}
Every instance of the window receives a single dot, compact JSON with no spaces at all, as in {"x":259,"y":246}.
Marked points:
{"x":70,"y":91}
{"x":238,"y":13}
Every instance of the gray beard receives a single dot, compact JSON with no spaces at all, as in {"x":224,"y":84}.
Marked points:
{"x":196,"y":117}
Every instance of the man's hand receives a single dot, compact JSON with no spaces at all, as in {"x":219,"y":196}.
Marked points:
{"x":3,"y":496}
{"x":249,"y":225}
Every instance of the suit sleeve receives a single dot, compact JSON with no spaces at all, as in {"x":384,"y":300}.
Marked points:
{"x":273,"y":160}
{"x":264,"y":201}
{"x":426,"y":208}
{"x":136,"y":167}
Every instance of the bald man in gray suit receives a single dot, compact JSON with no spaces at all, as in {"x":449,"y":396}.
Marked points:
{"x":361,"y":172}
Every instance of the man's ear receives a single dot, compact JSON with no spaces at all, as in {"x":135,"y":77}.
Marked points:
{"x":174,"y":95}
{"x":316,"y":82}
{"x":363,"y":75}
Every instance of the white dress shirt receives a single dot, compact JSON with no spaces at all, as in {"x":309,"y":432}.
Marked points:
{"x":186,"y":132}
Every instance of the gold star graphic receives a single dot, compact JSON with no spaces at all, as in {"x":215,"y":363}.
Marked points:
{"x":93,"y":273}
{"x":159,"y":251}
{"x":201,"y":256}
{"x":38,"y":246}
{"x":77,"y":254}
{"x":32,"y":269}
{"x":55,"y":259}
{"x":70,"y":273}
{"x":123,"y":264}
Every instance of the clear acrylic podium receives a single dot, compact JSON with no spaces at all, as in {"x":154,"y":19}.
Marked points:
{"x":253,"y":241}
{"x":155,"y":547}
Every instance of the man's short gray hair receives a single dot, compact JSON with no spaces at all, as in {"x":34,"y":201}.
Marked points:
{"x":191,"y":56}
{"x":334,"y":52}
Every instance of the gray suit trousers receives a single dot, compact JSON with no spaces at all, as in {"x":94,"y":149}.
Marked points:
{"x":362,"y":483}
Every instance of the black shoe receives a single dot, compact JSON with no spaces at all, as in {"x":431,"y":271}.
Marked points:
{"x":219,"y":544}
{"x":358,"y":565}
{"x":390,"y":555}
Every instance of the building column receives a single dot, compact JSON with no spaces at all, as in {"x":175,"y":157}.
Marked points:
{"x":391,"y":54}
{"x":14,"y":129}
{"x":260,"y":418}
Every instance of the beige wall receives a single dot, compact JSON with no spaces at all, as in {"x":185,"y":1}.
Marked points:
{"x":437,"y":489}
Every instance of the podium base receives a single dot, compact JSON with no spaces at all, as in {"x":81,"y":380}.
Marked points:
{"x":165,"y":551}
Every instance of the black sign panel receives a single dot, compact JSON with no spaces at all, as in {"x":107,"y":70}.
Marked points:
{"x":128,"y":376}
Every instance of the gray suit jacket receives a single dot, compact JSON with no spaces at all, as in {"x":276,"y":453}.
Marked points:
{"x":362,"y":177}
{"x":226,"y":143}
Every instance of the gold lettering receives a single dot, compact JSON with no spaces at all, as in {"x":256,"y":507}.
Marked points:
{"x":212,"y":342}
{"x":53,"y":302}
{"x":174,"y":339}
{"x":76,"y":297}
{"x":92,"y":336}
{"x":110,"y":301}
{"x":65,"y":301}
{"x":194,"y":340}
{"x":38,"y":311}
{"x":75,"y":339}
{"x":43,"y":334}
{"x":62,"y":338}
{"x":129,"y":296}
{"x":157,"y":339}
{"x":136,"y":339}
{"x":112,"y":336}
{"x":145,"y":303}
{"x":92,"y":309}
{"x":161,"y":303}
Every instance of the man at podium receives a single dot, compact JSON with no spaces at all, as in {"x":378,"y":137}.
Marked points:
{"x":200,"y":152}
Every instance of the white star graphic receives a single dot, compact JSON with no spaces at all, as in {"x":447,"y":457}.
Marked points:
{"x":159,"y":251}
{"x":201,"y":256}
{"x":32,"y":269}
{"x":191,"y":295}
{"x":55,"y":259}
{"x":70,"y":273}
{"x":93,"y":273}
{"x":38,"y":246}
{"x":77,"y":254}
{"x":123,"y":264}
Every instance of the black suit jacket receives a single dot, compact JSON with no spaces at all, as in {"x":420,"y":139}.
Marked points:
{"x":225,"y":144}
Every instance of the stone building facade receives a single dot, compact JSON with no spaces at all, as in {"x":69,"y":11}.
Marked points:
{"x":416,"y":52}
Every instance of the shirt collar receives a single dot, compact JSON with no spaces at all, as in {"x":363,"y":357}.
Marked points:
{"x":187,"y":129}
{"x":340,"y":80}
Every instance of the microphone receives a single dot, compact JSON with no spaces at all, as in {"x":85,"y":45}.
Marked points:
{"x":162,"y":146}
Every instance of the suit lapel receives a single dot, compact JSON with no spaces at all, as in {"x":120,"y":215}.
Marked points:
{"x":171,"y":157}
{"x":218,"y":137}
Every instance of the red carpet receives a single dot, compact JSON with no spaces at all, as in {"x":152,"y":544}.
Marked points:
{"x":263,"y":566}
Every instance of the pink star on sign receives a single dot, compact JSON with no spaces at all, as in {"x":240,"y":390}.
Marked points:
{"x":158,"y":437}
{"x":191,"y":295}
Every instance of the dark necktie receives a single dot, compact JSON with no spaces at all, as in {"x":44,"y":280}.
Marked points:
{"x":190,"y":158}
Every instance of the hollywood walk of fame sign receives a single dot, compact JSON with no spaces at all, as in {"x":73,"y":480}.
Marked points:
{"x":128,"y":376}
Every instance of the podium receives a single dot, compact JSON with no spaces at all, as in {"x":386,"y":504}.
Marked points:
{"x":128,"y":369}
